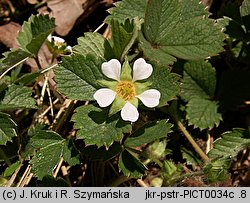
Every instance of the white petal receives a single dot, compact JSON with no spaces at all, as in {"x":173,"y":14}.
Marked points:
{"x":150,"y":98}
{"x":58,"y":39}
{"x":112,"y":69}
{"x":49,"y":38}
{"x":141,"y":69}
{"x":104,"y":97}
{"x":69,"y":49}
{"x":129,"y":112}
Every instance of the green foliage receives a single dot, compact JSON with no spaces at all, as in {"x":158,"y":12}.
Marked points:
{"x":93,"y":43}
{"x":146,"y":134}
{"x":130,"y":165}
{"x":96,"y":127}
{"x":171,"y":173}
{"x":35,"y":32}
{"x":230,"y":143}
{"x":127,"y":9}
{"x":51,"y":148}
{"x":203,"y":113}
{"x":7,"y":128}
{"x":77,"y":76}
{"x":11,"y":169}
{"x":198,"y":88}
{"x":122,"y":34}
{"x":17,"y":96}
{"x":180,"y":29}
{"x":14,"y":57}
{"x":197,"y":84}
{"x":166,"y":82}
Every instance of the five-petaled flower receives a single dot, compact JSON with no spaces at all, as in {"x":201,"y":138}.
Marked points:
{"x":124,"y":92}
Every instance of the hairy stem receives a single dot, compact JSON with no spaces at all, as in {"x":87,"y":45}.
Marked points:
{"x":191,"y":140}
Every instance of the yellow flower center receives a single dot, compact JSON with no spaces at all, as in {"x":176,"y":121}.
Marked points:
{"x":125,"y":90}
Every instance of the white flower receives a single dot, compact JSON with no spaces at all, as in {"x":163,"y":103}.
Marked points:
{"x":125,"y":92}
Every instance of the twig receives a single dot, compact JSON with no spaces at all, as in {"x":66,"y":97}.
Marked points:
{"x":58,"y":167}
{"x":141,"y":183}
{"x":10,"y":68}
{"x":26,"y":172}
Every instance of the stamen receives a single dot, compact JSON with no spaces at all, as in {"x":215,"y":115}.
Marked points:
{"x":125,"y":90}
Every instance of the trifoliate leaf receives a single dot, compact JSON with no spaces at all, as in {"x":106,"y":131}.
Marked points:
{"x":130,"y":165}
{"x":127,"y":9}
{"x":96,"y":127}
{"x":35,"y":32}
{"x":94,"y":44}
{"x":230,"y":143}
{"x":13,"y":58}
{"x":203,"y":113}
{"x":7,"y":128}
{"x":199,"y":80}
{"x":182,"y":29}
{"x":17,"y":96}
{"x":51,"y":148}
{"x":77,"y":76}
{"x":148,"y":133}
{"x":166,"y":83}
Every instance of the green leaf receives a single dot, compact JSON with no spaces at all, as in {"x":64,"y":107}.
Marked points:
{"x":217,"y":170}
{"x":182,"y":29}
{"x":148,"y":133}
{"x":230,"y":143}
{"x":121,"y":36}
{"x":50,"y":181}
{"x":245,"y":8}
{"x":13,"y":58}
{"x":11,"y":169}
{"x":96,"y":127}
{"x":170,"y":172}
{"x":77,"y":76}
{"x":7,"y":128}
{"x":101,"y":153}
{"x":127,"y":9}
{"x":203,"y":113}
{"x":130,"y":165}
{"x":199,"y":80}
{"x":190,"y":157}
{"x":70,"y":153}
{"x":165,"y":82}
{"x":44,"y":138}
{"x":51,"y":147}
{"x":35,"y":32}
{"x":94,"y":44}
{"x":44,"y":161}
{"x":17,"y":96}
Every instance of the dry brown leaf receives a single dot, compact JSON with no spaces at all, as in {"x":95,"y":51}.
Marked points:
{"x":65,"y":13}
{"x":8,"y":34}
